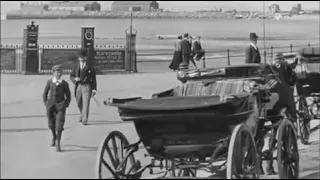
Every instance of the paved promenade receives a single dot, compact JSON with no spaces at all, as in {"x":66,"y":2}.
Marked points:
{"x":25,"y":138}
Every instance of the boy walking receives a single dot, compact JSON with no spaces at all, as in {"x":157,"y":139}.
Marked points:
{"x":56,"y":98}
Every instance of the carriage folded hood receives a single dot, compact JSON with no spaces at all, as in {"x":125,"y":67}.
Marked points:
{"x":176,"y":103}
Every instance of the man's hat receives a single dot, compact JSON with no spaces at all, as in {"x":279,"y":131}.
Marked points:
{"x":82,"y":53}
{"x":253,"y":36}
{"x":57,"y":68}
{"x":186,"y":35}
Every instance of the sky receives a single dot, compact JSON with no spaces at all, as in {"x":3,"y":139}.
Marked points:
{"x":196,"y":5}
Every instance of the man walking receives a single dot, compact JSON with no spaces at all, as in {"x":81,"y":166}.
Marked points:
{"x":84,"y":78}
{"x":252,"y":52}
{"x":186,"y":45}
{"x":197,"y":49}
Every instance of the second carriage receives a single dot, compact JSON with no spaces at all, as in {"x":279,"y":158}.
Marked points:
{"x":308,"y":88}
{"x":215,"y":122}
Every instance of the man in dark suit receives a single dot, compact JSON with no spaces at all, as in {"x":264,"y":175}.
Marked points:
{"x":84,"y":78}
{"x":252,"y":52}
{"x":56,"y":98}
{"x":197,"y":49}
{"x":186,"y":46}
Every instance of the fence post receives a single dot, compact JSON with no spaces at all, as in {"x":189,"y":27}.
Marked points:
{"x":265,"y":56}
{"x":204,"y":61}
{"x":228,"y":57}
{"x":271,"y":52}
{"x":309,"y":44}
{"x":291,"y":48}
{"x":135,"y":62}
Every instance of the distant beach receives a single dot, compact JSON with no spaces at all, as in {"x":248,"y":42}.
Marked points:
{"x":218,"y":35}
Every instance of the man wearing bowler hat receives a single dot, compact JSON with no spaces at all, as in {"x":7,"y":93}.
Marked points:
{"x":186,"y":49}
{"x":84,"y":78}
{"x":252,"y":52}
{"x":56,"y":98}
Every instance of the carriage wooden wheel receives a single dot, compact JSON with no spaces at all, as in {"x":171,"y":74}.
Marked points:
{"x":185,"y":172}
{"x":303,"y":122}
{"x":110,"y":154}
{"x":242,"y":161}
{"x":287,"y":151}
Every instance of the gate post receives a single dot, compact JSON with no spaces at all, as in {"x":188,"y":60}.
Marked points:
{"x":131,"y":62}
{"x":30,"y":55}
{"x":87,"y":42}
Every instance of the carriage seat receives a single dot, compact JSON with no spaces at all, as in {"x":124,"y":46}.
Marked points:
{"x":200,"y":88}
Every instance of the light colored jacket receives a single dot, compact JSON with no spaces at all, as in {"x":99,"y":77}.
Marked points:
{"x":177,"y":45}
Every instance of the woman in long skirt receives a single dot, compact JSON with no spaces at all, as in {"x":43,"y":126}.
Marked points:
{"x":177,"y":55}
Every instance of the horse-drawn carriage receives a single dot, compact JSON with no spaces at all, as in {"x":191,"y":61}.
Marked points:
{"x":308,"y":87}
{"x":214,"y":122}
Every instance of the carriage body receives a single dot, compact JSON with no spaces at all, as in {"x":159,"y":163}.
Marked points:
{"x":204,"y":118}
{"x":188,"y":120}
{"x":309,"y":72}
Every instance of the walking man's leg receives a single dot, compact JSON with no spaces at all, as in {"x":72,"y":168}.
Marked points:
{"x":79,"y":100}
{"x":60,"y":120}
{"x":52,"y":124}
{"x":86,"y":97}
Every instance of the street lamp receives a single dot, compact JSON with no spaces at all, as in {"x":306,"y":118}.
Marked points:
{"x":264,"y":32}
{"x":131,"y":17}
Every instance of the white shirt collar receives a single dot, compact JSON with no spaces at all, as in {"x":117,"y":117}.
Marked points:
{"x":254,"y":46}
{"x":55,"y":80}
{"x":82,"y":64}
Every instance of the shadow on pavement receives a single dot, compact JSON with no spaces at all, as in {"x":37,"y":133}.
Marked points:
{"x":315,"y":175}
{"x":32,"y":116}
{"x":26,"y":130}
{"x":79,"y":148}
{"x":108,"y":122}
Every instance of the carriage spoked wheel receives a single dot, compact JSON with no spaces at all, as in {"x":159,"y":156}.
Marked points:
{"x":110,"y":154}
{"x":303,"y":123}
{"x":242,"y":161}
{"x":287,"y":151}
{"x":185,"y":172}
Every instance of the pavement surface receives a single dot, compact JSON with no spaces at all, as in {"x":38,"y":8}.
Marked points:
{"x":25,"y":138}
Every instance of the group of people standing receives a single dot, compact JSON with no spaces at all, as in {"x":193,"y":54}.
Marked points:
{"x":186,"y":51}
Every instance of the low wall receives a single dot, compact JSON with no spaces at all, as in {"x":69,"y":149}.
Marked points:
{"x":107,"y":58}
{"x":11,"y":58}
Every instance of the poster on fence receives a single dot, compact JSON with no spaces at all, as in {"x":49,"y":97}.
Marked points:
{"x":8,"y":59}
{"x":109,"y":59}
{"x":51,"y":57}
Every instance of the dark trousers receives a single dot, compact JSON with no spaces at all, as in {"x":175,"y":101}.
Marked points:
{"x":199,"y":54}
{"x":286,"y":99}
{"x":56,"y":118}
{"x":187,"y":57}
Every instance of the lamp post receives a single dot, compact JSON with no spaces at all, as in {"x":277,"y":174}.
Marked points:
{"x":130,"y":54}
{"x":264,"y":32}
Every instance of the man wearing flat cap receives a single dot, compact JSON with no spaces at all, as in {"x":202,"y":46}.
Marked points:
{"x":84,"y":78}
{"x":252,"y":52}
{"x":56,"y":98}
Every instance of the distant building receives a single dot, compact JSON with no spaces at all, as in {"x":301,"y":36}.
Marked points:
{"x":274,"y":8}
{"x":26,"y":6}
{"x":316,"y":12}
{"x":74,"y":6}
{"x":296,"y":9}
{"x":122,"y":6}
